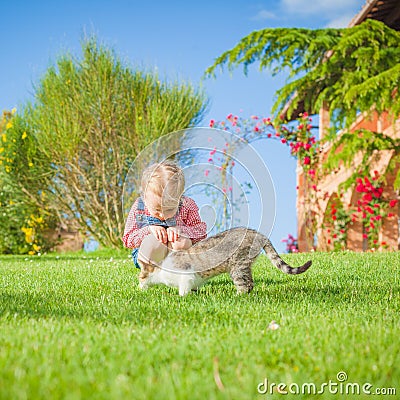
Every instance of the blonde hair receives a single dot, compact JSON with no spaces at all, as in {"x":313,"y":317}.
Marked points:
{"x":164,"y":180}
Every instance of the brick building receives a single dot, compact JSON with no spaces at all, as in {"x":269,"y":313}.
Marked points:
{"x":313,"y":223}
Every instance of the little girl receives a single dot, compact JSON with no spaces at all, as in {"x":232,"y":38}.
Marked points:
{"x":162,"y":219}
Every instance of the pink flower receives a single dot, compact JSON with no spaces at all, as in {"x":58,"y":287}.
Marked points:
{"x":378,"y":192}
{"x":367,"y":182}
{"x":367,"y":197}
{"x":392,"y":203}
{"x":212,"y":123}
{"x":360,"y":188}
{"x":307,"y":161}
{"x":206,"y":172}
{"x":212,"y":152}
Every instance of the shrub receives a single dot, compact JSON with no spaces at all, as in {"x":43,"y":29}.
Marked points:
{"x":24,"y":215}
{"x":90,"y":118}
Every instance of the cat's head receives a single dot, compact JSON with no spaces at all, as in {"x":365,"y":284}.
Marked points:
{"x":147,"y":272}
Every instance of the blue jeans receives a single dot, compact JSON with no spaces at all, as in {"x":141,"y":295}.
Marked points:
{"x":135,"y":254}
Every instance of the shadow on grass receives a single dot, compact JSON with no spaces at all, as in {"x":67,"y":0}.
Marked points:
{"x":138,"y":306}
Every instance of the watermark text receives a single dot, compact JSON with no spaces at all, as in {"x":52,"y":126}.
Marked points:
{"x":340,"y":386}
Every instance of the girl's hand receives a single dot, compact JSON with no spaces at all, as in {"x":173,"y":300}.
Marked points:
{"x":159,"y":232}
{"x":173,"y":233}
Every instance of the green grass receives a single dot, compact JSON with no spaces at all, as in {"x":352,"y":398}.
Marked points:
{"x":78,"y":327}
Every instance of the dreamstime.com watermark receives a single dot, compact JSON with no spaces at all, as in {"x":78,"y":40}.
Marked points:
{"x":340,"y":386}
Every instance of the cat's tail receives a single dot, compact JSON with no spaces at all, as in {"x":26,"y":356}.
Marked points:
{"x":280,"y":264}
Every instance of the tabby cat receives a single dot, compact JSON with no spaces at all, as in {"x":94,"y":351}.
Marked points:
{"x":232,"y":251}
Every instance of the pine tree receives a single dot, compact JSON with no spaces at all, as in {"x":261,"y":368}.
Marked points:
{"x":352,"y":70}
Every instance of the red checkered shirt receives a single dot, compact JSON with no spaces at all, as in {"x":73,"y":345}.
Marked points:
{"x":187,"y":219}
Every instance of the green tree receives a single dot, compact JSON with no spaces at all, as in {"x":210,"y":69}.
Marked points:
{"x":90,"y":118}
{"x":25,"y":218}
{"x":351,"y":70}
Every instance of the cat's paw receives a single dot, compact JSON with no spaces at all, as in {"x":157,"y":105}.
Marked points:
{"x":183,"y":291}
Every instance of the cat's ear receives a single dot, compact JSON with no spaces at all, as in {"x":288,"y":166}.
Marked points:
{"x":145,"y":271}
{"x":146,"y":268}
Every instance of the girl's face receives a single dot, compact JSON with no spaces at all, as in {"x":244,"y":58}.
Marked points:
{"x":154,"y":205}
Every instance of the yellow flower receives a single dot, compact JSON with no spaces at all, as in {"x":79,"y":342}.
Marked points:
{"x":30,"y":164}
{"x":4,"y":137}
{"x":36,"y":247}
{"x":34,"y":220}
{"x":31,"y":253}
{"x":1,"y":149}
{"x":9,"y":125}
{"x":8,"y":169}
{"x":29,"y":234}
{"x":13,"y":111}
{"x":24,"y":135}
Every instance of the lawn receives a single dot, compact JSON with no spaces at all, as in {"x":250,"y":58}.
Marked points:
{"x":77,"y":327}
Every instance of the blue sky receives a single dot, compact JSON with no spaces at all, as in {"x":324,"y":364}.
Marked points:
{"x":178,"y":39}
